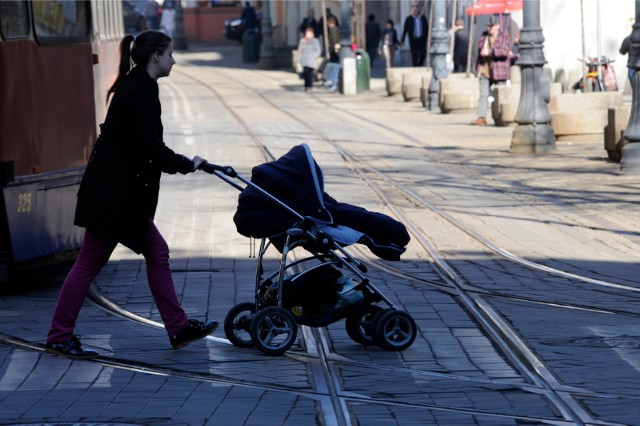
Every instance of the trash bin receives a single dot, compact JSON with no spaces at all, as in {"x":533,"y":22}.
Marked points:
{"x":363,"y":70}
{"x":250,"y":46}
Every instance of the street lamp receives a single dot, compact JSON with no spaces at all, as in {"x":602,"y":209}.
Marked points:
{"x":179,"y":38}
{"x":533,"y":133}
{"x":630,"y":162}
{"x":267,"y":59}
{"x":438,"y":51}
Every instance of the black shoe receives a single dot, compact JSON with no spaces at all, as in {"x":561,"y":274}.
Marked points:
{"x":194,"y":330}
{"x":72,"y":348}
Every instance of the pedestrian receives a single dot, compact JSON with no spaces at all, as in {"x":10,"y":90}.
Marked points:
{"x":308,"y":53}
{"x":168,"y":19}
{"x":416,"y":27}
{"x":389,"y":42}
{"x":249,"y":17}
{"x":625,"y":49}
{"x":309,"y":21}
{"x":119,"y":193}
{"x":372,"y":37}
{"x":514,"y":55}
{"x":460,"y":46}
{"x":493,"y":66}
{"x":152,"y":15}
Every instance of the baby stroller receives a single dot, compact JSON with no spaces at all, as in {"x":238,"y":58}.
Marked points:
{"x":284,"y":205}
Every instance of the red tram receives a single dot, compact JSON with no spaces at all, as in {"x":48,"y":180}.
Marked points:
{"x":57,"y":61}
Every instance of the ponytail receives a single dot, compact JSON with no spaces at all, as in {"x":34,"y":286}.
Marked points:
{"x":138,"y":51}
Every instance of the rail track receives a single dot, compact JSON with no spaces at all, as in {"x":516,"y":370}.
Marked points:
{"x":469,"y":295}
{"x":444,"y":273}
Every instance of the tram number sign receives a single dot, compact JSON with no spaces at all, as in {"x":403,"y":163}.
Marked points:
{"x":24,"y":202}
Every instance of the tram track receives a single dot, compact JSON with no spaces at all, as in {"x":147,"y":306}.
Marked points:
{"x":508,"y":339}
{"x":320,"y":393}
{"x":337,"y":411}
{"x":360,"y":168}
{"x":510,"y":344}
{"x":322,"y":360}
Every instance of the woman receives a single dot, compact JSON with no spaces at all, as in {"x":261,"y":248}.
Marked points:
{"x":389,"y":42}
{"x":119,"y":194}
{"x":308,"y":53}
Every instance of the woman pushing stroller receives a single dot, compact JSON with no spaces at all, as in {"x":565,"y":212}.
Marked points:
{"x":118,"y":196}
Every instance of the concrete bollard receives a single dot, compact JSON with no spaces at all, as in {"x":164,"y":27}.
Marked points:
{"x":349,"y":76}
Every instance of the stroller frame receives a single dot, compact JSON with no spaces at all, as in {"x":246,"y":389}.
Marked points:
{"x":272,"y":327}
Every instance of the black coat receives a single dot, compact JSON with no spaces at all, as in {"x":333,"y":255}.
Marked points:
{"x":119,"y":190}
{"x":409,"y":23}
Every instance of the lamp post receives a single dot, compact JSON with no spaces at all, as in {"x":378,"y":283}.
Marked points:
{"x":533,"y":134}
{"x":438,"y":52}
{"x":179,"y":39}
{"x":267,"y":59}
{"x":345,"y":23}
{"x":630,"y":161}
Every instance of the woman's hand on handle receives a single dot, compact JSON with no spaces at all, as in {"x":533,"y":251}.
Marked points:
{"x":197,"y":162}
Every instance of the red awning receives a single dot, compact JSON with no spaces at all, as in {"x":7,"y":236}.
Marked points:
{"x":492,"y":7}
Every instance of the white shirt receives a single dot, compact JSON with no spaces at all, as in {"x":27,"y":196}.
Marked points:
{"x":168,"y":20}
{"x":417,"y":27}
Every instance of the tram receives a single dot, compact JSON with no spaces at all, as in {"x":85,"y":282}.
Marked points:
{"x":57,"y":60}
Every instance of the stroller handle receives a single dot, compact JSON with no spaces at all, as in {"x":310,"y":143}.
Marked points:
{"x":212,"y":168}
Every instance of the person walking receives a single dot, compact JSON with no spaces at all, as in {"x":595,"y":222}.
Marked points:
{"x":249,"y":17}
{"x":493,"y":65}
{"x":309,"y":51}
{"x":372,"y":37}
{"x":310,"y":21}
{"x":416,"y":27}
{"x":389,"y":42}
{"x":118,"y":196}
{"x":460,"y":46}
{"x":625,"y":49}
{"x":152,"y":15}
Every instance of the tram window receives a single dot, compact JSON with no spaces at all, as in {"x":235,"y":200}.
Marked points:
{"x":14,"y":19}
{"x":60,"y":21}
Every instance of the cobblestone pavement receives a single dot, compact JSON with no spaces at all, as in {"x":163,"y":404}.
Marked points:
{"x":535,"y":321}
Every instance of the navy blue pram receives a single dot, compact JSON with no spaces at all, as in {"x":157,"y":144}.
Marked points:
{"x":285,"y":205}
{"x":297,"y":181}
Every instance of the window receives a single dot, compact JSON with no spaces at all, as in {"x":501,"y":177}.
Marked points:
{"x":61,"y":21}
{"x":14,"y":19}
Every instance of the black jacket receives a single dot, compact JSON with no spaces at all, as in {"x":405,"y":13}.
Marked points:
{"x":119,"y":190}
{"x":409,"y":22}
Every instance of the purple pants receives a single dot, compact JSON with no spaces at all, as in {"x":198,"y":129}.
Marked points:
{"x":94,"y":254}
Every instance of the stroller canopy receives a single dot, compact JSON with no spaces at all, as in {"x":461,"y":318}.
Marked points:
{"x":296,"y":180}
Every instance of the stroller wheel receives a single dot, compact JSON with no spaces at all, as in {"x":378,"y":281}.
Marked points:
{"x":394,"y":330}
{"x":358,"y":324}
{"x":274,"y":330}
{"x":237,"y":325}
